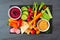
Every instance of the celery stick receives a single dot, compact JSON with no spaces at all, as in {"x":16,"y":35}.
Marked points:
{"x":42,"y":11}
{"x":48,"y":11}
{"x":45,"y":15}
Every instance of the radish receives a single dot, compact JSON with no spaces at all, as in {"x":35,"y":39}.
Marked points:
{"x":17,"y":31}
{"x":30,"y":9}
{"x":31,"y":14}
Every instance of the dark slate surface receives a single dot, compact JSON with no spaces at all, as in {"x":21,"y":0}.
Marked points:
{"x":4,"y":29}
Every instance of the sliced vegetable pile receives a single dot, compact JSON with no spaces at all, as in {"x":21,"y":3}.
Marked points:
{"x":29,"y":20}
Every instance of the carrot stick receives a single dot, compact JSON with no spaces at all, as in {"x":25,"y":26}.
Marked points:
{"x":35,"y":7}
{"x":35,"y":13}
{"x":11,"y":20}
{"x":36,"y":18}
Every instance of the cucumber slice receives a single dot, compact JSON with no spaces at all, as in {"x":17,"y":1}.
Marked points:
{"x":24,"y":8}
{"x":25,"y":12}
{"x":24,"y":17}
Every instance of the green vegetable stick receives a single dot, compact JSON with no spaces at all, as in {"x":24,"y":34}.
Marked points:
{"x":35,"y":6}
{"x":42,"y":11}
{"x":48,"y":11}
{"x":45,"y":15}
{"x":41,"y":5}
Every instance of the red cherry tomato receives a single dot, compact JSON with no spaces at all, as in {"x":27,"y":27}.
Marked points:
{"x":32,"y":31}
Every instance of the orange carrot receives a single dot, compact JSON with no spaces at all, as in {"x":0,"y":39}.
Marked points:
{"x":11,"y":20}
{"x":13,"y":23}
{"x":35,"y":13}
{"x":36,"y":18}
{"x":35,"y":8}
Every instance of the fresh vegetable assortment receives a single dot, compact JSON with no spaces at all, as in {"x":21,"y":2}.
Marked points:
{"x":29,"y":20}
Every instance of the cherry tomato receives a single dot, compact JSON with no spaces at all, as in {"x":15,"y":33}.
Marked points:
{"x":32,"y":31}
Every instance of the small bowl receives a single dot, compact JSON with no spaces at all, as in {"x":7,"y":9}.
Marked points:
{"x":46,"y":28}
{"x":10,"y":10}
